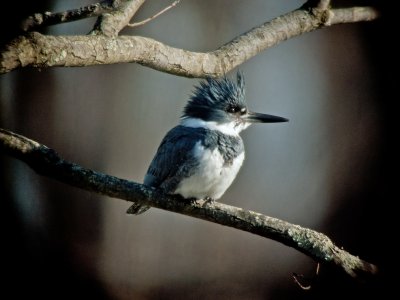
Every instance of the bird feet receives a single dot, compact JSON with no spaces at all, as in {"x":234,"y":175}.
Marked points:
{"x":208,"y":200}
{"x":186,"y":200}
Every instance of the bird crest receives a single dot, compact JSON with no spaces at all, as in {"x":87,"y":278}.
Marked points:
{"x":214,"y":95}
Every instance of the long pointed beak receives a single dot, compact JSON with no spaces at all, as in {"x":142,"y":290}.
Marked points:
{"x":254,"y":117}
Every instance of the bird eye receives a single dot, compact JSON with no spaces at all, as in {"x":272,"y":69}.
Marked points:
{"x":233,"y":109}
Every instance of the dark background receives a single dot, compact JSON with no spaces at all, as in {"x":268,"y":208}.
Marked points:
{"x":331,"y":168}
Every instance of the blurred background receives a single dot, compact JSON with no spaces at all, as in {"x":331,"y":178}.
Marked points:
{"x":327,"y":169}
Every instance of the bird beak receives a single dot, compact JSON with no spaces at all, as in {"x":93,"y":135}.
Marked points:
{"x":253,"y":117}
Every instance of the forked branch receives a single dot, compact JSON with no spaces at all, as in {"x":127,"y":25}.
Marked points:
{"x":104,"y":46}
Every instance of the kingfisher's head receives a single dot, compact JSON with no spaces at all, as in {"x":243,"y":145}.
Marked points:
{"x":221,"y":103}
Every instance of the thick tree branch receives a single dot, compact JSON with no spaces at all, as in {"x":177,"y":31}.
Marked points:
{"x":47,"y":162}
{"x":41,"y":51}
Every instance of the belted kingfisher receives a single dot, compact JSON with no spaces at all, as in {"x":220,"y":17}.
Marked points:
{"x":200,"y":158}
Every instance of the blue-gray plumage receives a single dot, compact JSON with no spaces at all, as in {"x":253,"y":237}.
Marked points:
{"x":200,"y":158}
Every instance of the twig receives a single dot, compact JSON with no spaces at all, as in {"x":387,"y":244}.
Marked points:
{"x":47,"y":162}
{"x":49,"y":18}
{"x":301,"y":285}
{"x":155,"y":16}
{"x":296,"y":278}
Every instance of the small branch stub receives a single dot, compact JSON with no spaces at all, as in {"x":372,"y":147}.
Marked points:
{"x":324,"y":4}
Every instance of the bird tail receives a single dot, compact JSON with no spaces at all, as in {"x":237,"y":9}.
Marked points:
{"x":137,"y":209}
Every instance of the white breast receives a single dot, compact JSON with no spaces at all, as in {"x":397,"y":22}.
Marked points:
{"x":212,"y":178}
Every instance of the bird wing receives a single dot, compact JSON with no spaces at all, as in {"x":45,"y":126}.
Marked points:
{"x":174,"y":159}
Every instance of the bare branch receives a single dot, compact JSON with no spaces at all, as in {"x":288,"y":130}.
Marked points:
{"x":155,"y":16}
{"x":114,"y":16}
{"x":49,"y":18}
{"x":41,"y":51}
{"x":111,"y":24}
{"x":47,"y":162}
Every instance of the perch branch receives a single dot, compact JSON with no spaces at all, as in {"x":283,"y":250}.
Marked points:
{"x":42,"y":51}
{"x":47,"y":162}
{"x":155,"y":16}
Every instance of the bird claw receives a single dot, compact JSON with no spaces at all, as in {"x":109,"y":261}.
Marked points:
{"x":186,"y":200}
{"x":208,"y":201}
{"x":192,"y":200}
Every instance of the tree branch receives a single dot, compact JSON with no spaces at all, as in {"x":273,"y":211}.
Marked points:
{"x":113,"y":15}
{"x":49,"y":18}
{"x":47,"y":162}
{"x":42,"y":51}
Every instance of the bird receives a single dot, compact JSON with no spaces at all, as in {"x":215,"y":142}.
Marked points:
{"x":200,"y":157}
